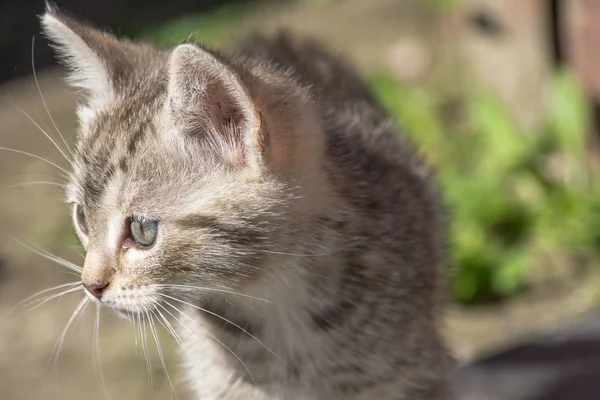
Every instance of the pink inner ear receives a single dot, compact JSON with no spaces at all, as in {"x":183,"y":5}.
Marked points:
{"x":224,"y":108}
{"x":224,"y":113}
{"x":209,"y":103}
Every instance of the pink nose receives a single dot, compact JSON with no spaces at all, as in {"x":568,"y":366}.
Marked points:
{"x":96,"y":289}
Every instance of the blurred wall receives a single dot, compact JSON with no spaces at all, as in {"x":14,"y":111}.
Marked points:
{"x":507,"y":46}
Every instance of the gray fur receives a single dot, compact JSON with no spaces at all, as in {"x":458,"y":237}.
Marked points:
{"x":274,"y":174}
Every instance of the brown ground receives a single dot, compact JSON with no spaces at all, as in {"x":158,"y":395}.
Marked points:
{"x":35,"y":213}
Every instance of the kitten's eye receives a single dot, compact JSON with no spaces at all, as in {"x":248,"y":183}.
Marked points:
{"x":80,"y":219}
{"x":143,"y":231}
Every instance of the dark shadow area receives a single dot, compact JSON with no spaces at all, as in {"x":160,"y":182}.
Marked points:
{"x":584,"y":385}
{"x":556,"y":28}
{"x":549,"y":353}
{"x":564,"y":365}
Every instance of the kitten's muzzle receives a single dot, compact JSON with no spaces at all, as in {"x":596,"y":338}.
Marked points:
{"x":97,"y":273}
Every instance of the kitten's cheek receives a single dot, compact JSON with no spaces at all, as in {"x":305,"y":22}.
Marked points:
{"x":132,"y":255}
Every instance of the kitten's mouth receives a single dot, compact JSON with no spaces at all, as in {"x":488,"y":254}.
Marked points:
{"x":127,"y":306}
{"x":131,"y":313}
{"x":126,"y":313}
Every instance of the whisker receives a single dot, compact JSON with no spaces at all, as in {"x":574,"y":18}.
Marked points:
{"x":7,"y":172}
{"x":41,"y":302}
{"x":37,"y":84}
{"x":160,"y":352}
{"x":37,"y":117}
{"x":135,"y":334}
{"x":188,"y":287}
{"x":98,"y":363}
{"x":33,"y":296}
{"x":298,"y":254}
{"x":167,"y":325}
{"x":59,"y":260}
{"x":46,"y":254}
{"x":207,"y":332}
{"x":326,"y":253}
{"x":37,"y":158}
{"x":143,"y":341}
{"x":230,"y":322}
{"x":76,"y":250}
{"x":46,"y":134}
{"x":37,"y":183}
{"x":58,"y":346}
{"x":352,"y":242}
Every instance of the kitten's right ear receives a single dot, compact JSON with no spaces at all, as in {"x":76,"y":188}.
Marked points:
{"x":85,"y":51}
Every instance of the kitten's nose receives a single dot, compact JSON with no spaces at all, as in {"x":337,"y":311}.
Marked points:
{"x":96,"y":289}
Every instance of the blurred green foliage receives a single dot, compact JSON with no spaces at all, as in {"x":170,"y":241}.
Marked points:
{"x":213,"y":29}
{"x":512,"y":195}
{"x":442,"y":5}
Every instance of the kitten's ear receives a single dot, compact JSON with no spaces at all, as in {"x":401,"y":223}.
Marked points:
{"x":208,"y":99}
{"x":92,"y":56}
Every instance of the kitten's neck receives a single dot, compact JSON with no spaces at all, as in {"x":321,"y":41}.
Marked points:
{"x":307,"y":296}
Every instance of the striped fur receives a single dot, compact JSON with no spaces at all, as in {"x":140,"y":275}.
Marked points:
{"x":273,"y":173}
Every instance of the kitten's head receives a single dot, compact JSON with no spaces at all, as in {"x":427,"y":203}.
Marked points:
{"x":189,"y":167}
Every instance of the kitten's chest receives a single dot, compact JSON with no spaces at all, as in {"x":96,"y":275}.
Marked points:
{"x":282,"y":352}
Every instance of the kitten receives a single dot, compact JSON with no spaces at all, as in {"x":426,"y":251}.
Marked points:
{"x":262,"y":202}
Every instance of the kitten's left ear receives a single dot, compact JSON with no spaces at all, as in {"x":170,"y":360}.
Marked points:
{"x":210,"y":102}
{"x":98,"y":62}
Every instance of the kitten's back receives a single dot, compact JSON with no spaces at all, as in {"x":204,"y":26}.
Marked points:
{"x":328,"y":76}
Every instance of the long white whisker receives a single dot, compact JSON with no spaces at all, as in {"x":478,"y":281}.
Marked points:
{"x":32,"y":300}
{"x":37,"y":117}
{"x":4,"y":171}
{"x":37,"y":183}
{"x":300,"y":255}
{"x":98,"y":363}
{"x":33,"y":296}
{"x":167,"y":325}
{"x":207,"y":332}
{"x":46,"y":134}
{"x":59,"y":260}
{"x":57,"y":348}
{"x":36,"y":157}
{"x":160,"y":352}
{"x":135,"y":334}
{"x":37,"y":84}
{"x":188,"y":287}
{"x":76,"y":250}
{"x":46,"y":254}
{"x":41,"y":302}
{"x":325,"y":253}
{"x":143,"y":341}
{"x":228,"y":321}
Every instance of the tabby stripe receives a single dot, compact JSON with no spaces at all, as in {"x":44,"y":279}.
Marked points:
{"x":136,"y":138}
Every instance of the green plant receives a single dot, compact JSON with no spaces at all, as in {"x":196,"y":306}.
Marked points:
{"x":212,"y":28}
{"x":512,"y":195}
{"x":443,"y":5}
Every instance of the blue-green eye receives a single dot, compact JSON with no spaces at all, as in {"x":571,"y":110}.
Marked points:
{"x":143,"y":231}
{"x":80,"y":219}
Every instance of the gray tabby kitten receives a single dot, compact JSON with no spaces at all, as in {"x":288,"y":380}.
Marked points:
{"x":264,"y":203}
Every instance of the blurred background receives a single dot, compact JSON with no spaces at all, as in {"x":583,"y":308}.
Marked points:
{"x":503,"y":99}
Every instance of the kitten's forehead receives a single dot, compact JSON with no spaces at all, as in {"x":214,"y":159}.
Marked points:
{"x":125,"y":156}
{"x":111,"y":143}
